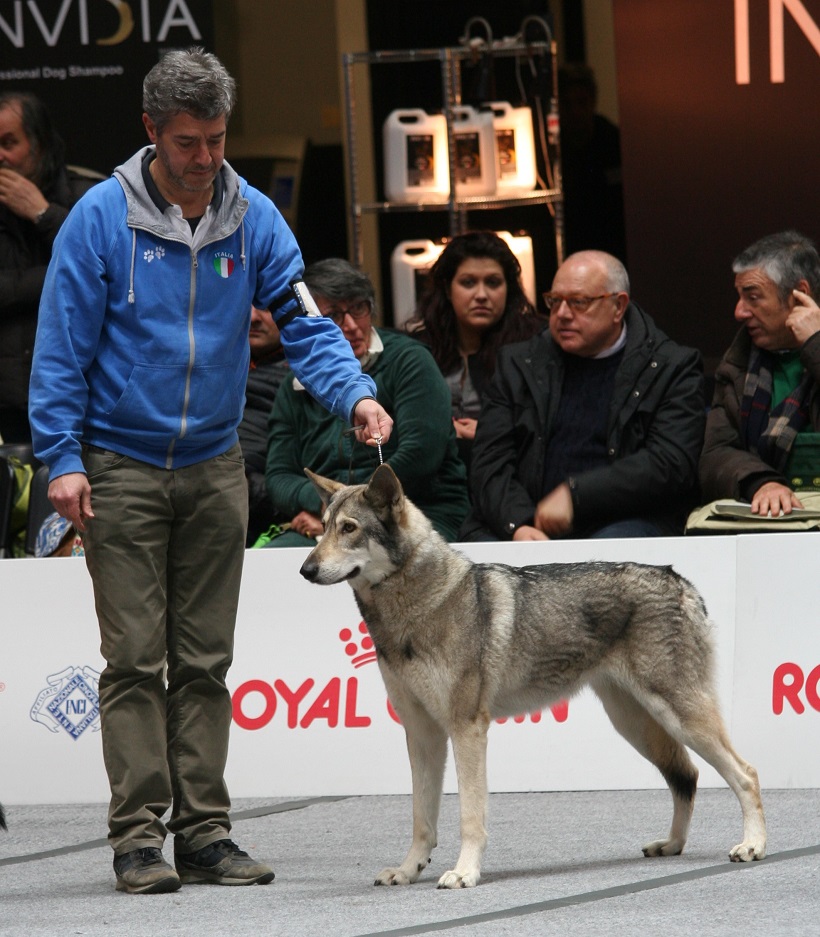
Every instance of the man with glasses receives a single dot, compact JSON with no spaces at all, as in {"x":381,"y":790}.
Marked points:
{"x":422,"y":450}
{"x":590,"y":429}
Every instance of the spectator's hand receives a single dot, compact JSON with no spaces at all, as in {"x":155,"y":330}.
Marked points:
{"x":20,"y":196}
{"x":307,"y":524}
{"x":71,"y":496}
{"x":371,"y":421}
{"x":525,"y":532}
{"x":775,"y":499}
{"x":804,"y":319}
{"x":554,"y":513}
{"x":465,"y":427}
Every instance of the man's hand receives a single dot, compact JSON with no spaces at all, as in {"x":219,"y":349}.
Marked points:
{"x":554,"y":513}
{"x":307,"y":524}
{"x":465,"y":427}
{"x":20,"y":196}
{"x":775,"y":499}
{"x":525,"y":532}
{"x":804,"y":319}
{"x":71,"y":496}
{"x":373,"y":425}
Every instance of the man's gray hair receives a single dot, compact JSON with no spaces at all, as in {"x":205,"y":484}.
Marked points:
{"x":785,"y":258}
{"x":337,"y":279}
{"x":188,"y":81}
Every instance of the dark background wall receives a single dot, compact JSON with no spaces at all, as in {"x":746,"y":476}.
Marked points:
{"x":710,"y":165}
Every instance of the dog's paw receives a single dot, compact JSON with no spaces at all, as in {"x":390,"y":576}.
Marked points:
{"x":664,"y":847}
{"x":748,"y":852}
{"x":394,"y":877}
{"x":455,"y":879}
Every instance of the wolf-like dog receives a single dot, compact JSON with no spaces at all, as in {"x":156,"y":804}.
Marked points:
{"x":461,"y":643}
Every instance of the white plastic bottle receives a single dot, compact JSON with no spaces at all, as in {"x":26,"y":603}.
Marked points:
{"x":409,"y":263}
{"x":415,"y":156}
{"x":516,"y":148}
{"x":521,"y":245}
{"x":476,"y":156}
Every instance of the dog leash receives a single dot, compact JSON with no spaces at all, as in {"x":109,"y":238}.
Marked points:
{"x":378,"y":439}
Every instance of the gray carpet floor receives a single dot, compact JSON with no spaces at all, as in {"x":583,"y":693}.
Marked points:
{"x":557,"y":864}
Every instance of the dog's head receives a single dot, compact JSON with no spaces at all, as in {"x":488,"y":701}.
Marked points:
{"x":360,"y":543}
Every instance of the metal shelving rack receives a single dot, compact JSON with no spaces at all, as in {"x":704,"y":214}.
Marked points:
{"x":450,"y":60}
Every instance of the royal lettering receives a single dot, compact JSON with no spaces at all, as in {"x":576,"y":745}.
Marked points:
{"x":790,"y":686}
{"x":332,"y":702}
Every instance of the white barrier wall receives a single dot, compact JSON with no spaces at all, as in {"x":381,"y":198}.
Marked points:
{"x":310,"y":712}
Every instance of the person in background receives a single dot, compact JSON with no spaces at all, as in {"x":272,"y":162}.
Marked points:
{"x":591,"y":175}
{"x":763,"y":428}
{"x":473,"y":304}
{"x":592,"y":429}
{"x":140,"y":366}
{"x":36,"y":193}
{"x":268,"y":368}
{"x":422,"y":450}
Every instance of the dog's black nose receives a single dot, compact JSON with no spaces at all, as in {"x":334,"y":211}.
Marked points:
{"x":310,"y":570}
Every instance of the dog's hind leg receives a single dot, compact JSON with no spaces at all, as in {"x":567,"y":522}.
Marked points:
{"x":470,"y":751}
{"x":652,"y":741}
{"x":427,"y":748}
{"x":702,"y":729}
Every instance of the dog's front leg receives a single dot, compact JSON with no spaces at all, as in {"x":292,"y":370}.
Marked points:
{"x":427,"y":748}
{"x":470,"y":751}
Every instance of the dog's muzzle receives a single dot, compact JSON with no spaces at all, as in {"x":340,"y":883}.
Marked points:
{"x":310,"y":570}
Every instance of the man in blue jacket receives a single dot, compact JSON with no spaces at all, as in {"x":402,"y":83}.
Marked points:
{"x":137,"y":390}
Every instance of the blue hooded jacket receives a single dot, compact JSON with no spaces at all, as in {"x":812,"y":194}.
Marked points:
{"x":142,"y":338}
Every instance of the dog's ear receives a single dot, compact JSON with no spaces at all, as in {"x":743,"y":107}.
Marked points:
{"x":384,"y":490}
{"x":325,"y":487}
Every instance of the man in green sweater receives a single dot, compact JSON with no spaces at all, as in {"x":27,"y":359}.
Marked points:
{"x":422,"y":449}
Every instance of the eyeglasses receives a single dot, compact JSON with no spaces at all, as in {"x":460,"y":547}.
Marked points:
{"x":577,"y":304}
{"x":355,"y":310}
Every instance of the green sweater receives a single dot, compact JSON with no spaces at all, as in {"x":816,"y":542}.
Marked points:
{"x":421,"y":450}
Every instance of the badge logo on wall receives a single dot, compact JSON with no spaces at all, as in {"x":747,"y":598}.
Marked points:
{"x":71,"y":702}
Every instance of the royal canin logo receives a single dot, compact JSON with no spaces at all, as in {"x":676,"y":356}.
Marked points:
{"x":337,"y":702}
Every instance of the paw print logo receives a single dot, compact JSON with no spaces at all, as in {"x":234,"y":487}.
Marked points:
{"x":352,"y":649}
{"x":154,"y":253}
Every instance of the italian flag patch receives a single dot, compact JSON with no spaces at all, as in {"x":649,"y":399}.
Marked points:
{"x":223,"y":266}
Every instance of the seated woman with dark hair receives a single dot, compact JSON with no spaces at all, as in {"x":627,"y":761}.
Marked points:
{"x":472,"y":305}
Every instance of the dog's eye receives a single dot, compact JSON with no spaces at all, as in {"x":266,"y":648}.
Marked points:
{"x":348,"y":527}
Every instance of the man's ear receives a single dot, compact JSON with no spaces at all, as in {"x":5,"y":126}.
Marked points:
{"x":621,"y":302}
{"x":150,"y":128}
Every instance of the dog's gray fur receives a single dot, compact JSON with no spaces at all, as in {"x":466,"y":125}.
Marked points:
{"x":461,"y":643}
